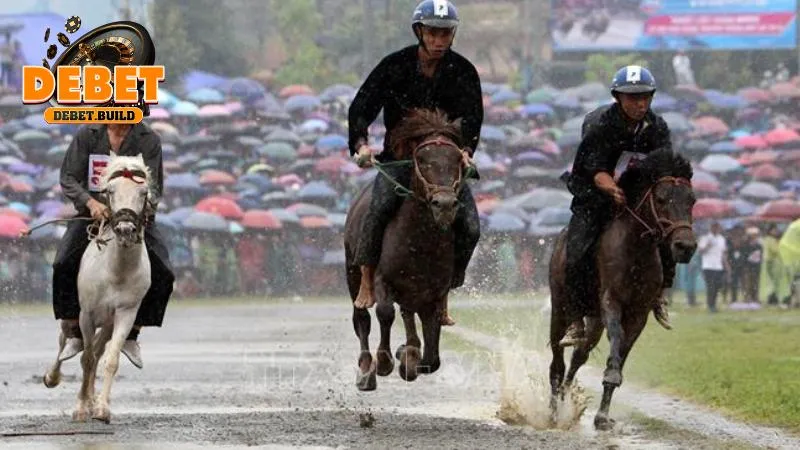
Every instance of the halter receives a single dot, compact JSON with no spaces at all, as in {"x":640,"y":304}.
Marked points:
{"x":431,"y":189}
{"x":126,"y":214}
{"x":662,"y":232}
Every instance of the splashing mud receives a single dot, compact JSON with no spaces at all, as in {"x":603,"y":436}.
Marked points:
{"x":525,"y":393}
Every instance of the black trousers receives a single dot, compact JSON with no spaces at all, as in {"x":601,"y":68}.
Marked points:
{"x":386,"y":202}
{"x":584,"y":229}
{"x":68,"y":260}
{"x":714,"y":281}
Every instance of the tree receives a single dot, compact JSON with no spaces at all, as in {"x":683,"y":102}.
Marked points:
{"x":173,"y":48}
{"x":602,"y":67}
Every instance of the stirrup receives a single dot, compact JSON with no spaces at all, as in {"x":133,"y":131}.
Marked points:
{"x":574,"y":336}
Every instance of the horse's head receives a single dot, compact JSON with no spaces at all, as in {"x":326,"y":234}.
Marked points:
{"x":127,"y":188}
{"x":660,"y":196}
{"x":431,"y":142}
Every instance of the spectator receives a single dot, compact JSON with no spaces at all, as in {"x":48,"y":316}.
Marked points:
{"x":772,"y":267}
{"x":752,"y":255}
{"x":712,"y":248}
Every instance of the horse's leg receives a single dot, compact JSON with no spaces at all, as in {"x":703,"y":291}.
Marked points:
{"x":431,"y":332}
{"x":612,"y":377}
{"x":408,"y":353}
{"x":123,"y":322}
{"x":362,"y":324}
{"x":385,"y":312}
{"x":594,"y":331}
{"x":89,"y":366}
{"x":53,"y":376}
{"x":632,"y":324}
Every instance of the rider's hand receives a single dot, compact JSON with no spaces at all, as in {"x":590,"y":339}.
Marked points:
{"x":606,"y":184}
{"x":364,"y":157}
{"x":97,"y":209}
{"x":466,"y":160}
{"x":618,"y":195}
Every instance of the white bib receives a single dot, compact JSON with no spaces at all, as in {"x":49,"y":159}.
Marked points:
{"x":97,"y":166}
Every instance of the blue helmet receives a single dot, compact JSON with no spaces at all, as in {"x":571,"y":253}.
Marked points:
{"x":435,"y":14}
{"x":633,"y":80}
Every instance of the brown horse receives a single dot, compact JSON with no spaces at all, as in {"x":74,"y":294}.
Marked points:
{"x":416,"y":264}
{"x":629,"y":271}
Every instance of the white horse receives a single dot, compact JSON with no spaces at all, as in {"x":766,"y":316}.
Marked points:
{"x":113,"y":279}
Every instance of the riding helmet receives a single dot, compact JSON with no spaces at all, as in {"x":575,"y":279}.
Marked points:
{"x":435,"y":14}
{"x":633,"y":80}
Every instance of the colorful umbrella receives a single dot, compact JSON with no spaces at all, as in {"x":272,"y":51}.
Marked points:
{"x":221,"y":206}
{"x":261,"y":219}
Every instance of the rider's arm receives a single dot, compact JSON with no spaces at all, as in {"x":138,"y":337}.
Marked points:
{"x":152,"y":155}
{"x":74,"y":169}
{"x":366,"y":106}
{"x":472,"y":106}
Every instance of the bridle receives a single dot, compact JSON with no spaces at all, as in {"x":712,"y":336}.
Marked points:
{"x":430,"y":189}
{"x":126,"y":214}
{"x":664,"y":227}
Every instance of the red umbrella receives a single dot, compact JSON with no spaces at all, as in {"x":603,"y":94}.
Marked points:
{"x":216,"y":177}
{"x":11,"y":226}
{"x":705,"y":186}
{"x":295,"y":89}
{"x":753,"y":141}
{"x":767,"y":172}
{"x":221,"y":206}
{"x":332,"y":164}
{"x":759,"y":157}
{"x":260,"y":219}
{"x":756,"y":95}
{"x":785,"y":90}
{"x":780,"y":209}
{"x":711,"y":207}
{"x":781,"y":136}
{"x":289,"y":179}
{"x":315,"y":222}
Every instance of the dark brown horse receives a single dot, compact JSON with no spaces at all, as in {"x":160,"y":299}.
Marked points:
{"x":416,"y":264}
{"x":629,"y":272}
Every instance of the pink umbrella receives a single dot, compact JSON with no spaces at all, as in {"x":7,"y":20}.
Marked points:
{"x":289,"y":179}
{"x":217,"y":177}
{"x":233,"y":107}
{"x":213,"y":111}
{"x":711,"y":125}
{"x":752,"y":141}
{"x":785,"y":90}
{"x":781,"y":136}
{"x":711,"y":207}
{"x":11,"y":226}
{"x":758,"y":157}
{"x":779,"y":209}
{"x":221,"y":206}
{"x":159,"y":113}
{"x":756,"y":95}
{"x":767,"y":172}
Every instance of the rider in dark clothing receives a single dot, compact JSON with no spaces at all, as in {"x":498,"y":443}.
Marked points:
{"x":614,"y":137}
{"x":427,"y":75}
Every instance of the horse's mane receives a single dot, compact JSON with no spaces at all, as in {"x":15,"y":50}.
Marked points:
{"x":419,"y":124}
{"x":130,"y":163}
{"x":658,"y":164}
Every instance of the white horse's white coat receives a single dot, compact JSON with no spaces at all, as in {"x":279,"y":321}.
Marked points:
{"x":113,"y":279}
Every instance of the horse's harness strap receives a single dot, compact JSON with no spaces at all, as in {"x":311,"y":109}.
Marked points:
{"x":125,"y":214}
{"x":430,"y":188}
{"x":665,"y":227}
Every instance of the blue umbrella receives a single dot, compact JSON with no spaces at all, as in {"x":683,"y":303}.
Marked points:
{"x":184,"y":109}
{"x":21,"y":207}
{"x":284,"y":215}
{"x":317,"y":189}
{"x":534,"y":109}
{"x":490,"y":88}
{"x":166,"y":99}
{"x":203,"y":221}
{"x":300,"y":102}
{"x":196,"y":79}
{"x":492,"y":133}
{"x":262,"y":183}
{"x":180,"y":214}
{"x":335,"y":91}
{"x":664,"y":102}
{"x":206,"y":95}
{"x":724,"y":147}
{"x":553,"y":216}
{"x":505,"y":222}
{"x":183,"y":181}
{"x":165,"y":221}
{"x":743,"y":207}
{"x":313,"y":126}
{"x":331,"y":142}
{"x":505,"y":96}
{"x":242,"y":88}
{"x":36,"y":121}
{"x":566,"y":102}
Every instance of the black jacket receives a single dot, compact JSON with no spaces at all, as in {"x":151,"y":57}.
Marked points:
{"x":396,"y":85}
{"x":605,"y":136}
{"x":93,"y":139}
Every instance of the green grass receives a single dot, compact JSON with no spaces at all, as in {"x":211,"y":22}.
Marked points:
{"x":745,"y":364}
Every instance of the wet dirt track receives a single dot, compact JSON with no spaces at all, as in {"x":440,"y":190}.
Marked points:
{"x":274,"y":375}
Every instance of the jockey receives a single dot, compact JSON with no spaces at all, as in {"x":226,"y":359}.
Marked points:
{"x":429,"y":75}
{"x":614,"y":136}
{"x":89,"y":152}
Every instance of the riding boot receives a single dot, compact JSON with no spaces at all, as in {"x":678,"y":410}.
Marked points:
{"x":660,"y":311}
{"x":579,"y":269}
{"x":74,"y":340}
{"x":382,"y":208}
{"x":132,"y":350}
{"x":467,"y":228}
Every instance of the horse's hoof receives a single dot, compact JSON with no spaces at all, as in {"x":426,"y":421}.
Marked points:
{"x":409,"y":363}
{"x":399,"y":353}
{"x":385,"y":363}
{"x":80,"y":415}
{"x":366,"y":381}
{"x":612,"y":377}
{"x":603,"y":423}
{"x":52,"y":380}
{"x":102,"y":414}
{"x":426,"y":369}
{"x":406,"y":373}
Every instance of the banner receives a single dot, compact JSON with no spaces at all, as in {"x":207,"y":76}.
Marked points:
{"x":642,"y":25}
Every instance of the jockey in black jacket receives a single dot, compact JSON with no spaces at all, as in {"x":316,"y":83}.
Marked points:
{"x":613,"y":137}
{"x":426,"y":75}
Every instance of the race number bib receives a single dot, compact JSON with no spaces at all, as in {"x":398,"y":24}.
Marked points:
{"x":626,"y":161}
{"x":97,"y":166}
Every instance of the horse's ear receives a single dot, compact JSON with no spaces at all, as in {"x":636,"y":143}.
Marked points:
{"x":457,"y":123}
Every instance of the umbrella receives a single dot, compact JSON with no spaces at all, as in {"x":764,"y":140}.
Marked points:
{"x":260,"y":167}
{"x":532,"y":156}
{"x":759,"y":190}
{"x":781,"y":136}
{"x":164,"y":128}
{"x":204,"y":221}
{"x":182,"y":181}
{"x":213,"y":111}
{"x":301,"y":102}
{"x":767,"y":172}
{"x":183,"y":108}
{"x":710,"y":125}
{"x":216,"y":177}
{"x":306,"y":210}
{"x":333,"y":258}
{"x":756,"y":95}
{"x":677,"y":121}
{"x":158,"y":113}
{"x":332,"y":164}
{"x":539,"y":198}
{"x":221,"y":206}
{"x":505,"y":96}
{"x":311,"y":126}
{"x":779,"y":209}
{"x":278,"y":150}
{"x":335,"y":91}
{"x":492,"y":133}
{"x":761,"y":156}
{"x":261,"y":219}
{"x":753,"y":141}
{"x":743,"y":207}
{"x":331,"y":142}
{"x":317,"y":189}
{"x":11,"y":226}
{"x":165,"y":221}
{"x":706,"y":177}
{"x":534,"y":109}
{"x":295,"y":89}
{"x":284,"y":215}
{"x":32,"y":136}
{"x":501,"y":221}
{"x":180,"y":214}
{"x":663,"y":102}
{"x":243,"y":88}
{"x":706,"y":208}
{"x":281,"y":135}
{"x":315,"y":222}
{"x":166,"y":99}
{"x":545,"y":94}
{"x":338,"y":219}
{"x":719,"y":164}
{"x":724,"y":147}
{"x":206,"y":95}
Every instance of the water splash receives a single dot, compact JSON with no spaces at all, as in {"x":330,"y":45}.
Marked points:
{"x":525,"y":393}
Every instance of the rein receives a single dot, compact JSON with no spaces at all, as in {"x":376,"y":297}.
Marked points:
{"x":660,"y":231}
